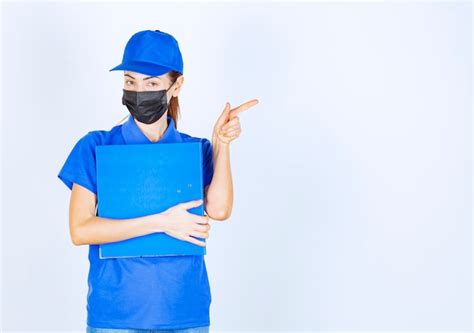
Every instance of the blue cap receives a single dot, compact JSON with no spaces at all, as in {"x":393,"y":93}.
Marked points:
{"x":152,"y":53}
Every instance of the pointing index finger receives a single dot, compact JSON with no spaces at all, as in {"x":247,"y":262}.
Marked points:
{"x":241,"y":108}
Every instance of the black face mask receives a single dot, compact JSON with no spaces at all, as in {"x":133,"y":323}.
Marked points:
{"x":146,"y":106}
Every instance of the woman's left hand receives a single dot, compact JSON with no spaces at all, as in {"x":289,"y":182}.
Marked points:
{"x":227,"y":127}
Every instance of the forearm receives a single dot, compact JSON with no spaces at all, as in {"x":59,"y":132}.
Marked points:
{"x":220,"y":193}
{"x":99,"y":230}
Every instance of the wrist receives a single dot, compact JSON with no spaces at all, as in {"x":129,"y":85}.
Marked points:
{"x":158,"y":222}
{"x":218,"y":145}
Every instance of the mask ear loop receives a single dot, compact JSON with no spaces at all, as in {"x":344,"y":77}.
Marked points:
{"x":171,"y":86}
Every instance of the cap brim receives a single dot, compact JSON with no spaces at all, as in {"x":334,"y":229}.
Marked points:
{"x":142,"y":67}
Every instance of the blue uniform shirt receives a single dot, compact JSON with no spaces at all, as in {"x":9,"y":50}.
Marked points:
{"x":170,"y":292}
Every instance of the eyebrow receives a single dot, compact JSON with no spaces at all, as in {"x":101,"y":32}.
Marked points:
{"x":147,"y":78}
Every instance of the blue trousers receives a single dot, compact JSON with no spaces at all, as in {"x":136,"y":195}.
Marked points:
{"x":201,"y":329}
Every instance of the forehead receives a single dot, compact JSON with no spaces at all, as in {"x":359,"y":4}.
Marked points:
{"x":141,"y":76}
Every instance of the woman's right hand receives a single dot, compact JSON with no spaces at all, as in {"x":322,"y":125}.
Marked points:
{"x":182,"y":225}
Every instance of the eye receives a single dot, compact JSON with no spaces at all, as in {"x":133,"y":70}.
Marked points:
{"x":153,"y":84}
{"x":128,"y":82}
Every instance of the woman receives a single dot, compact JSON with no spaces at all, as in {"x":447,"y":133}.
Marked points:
{"x":150,"y":294}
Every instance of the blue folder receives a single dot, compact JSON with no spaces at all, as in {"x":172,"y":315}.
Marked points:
{"x":135,"y":180}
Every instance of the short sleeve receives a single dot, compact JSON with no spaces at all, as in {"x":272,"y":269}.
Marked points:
{"x":208,"y":162}
{"x":80,"y":166}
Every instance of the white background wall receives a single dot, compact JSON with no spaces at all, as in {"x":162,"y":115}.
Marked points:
{"x":352,"y":176}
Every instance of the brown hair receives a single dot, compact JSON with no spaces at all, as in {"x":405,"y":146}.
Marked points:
{"x":173,"y":109}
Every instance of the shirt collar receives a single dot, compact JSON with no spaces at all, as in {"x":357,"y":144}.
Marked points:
{"x":134,"y":135}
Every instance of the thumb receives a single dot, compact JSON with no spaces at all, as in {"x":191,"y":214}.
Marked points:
{"x":191,"y":204}
{"x":224,"y":116}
